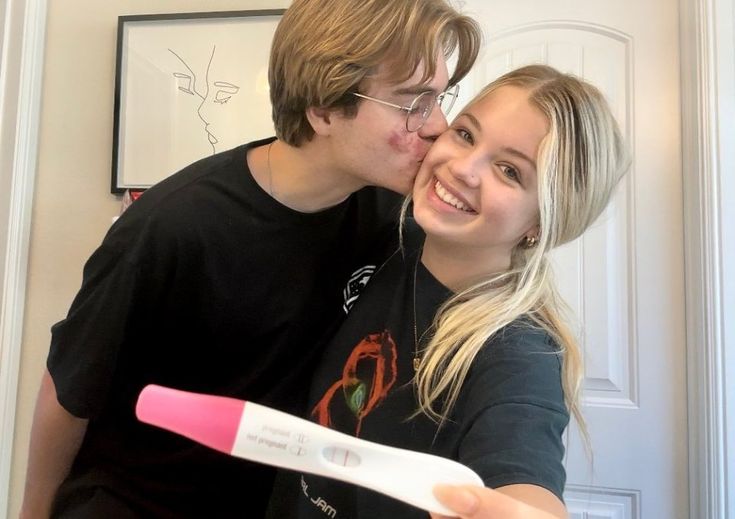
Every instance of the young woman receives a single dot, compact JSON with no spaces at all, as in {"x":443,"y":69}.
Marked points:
{"x":458,"y":346}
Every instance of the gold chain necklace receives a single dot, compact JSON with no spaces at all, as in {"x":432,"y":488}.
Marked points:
{"x":416,"y":355}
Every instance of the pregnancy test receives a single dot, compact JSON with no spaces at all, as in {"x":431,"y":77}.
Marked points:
{"x":259,"y":433}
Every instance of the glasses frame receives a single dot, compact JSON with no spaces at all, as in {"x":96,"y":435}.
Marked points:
{"x":452,"y":92}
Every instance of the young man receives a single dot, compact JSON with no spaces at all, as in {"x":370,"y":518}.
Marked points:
{"x":221,"y":278}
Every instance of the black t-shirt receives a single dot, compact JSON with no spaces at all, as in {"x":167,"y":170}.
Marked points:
{"x":205,"y":284}
{"x":507,"y":424}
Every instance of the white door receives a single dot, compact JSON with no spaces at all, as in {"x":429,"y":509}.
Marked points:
{"x":624,"y":278}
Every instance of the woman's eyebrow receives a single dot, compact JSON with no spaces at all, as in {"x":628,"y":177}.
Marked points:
{"x":520,"y":155}
{"x":474,"y":120}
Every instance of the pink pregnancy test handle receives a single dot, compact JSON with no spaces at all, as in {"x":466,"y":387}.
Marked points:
{"x":210,"y":420}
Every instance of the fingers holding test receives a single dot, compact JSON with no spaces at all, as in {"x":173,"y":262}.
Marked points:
{"x":472,"y":502}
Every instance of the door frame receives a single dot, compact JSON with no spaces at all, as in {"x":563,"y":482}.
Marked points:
{"x":707,"y":43}
{"x":21,"y":70}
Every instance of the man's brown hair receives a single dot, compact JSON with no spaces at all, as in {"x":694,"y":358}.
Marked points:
{"x":323,"y":50}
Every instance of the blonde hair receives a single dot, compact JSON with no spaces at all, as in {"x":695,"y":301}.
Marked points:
{"x":323,"y":50}
{"x":580,"y":162}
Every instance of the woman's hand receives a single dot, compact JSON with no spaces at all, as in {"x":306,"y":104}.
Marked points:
{"x":472,"y":502}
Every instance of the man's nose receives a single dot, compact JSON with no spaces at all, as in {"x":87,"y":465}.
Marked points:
{"x":435,"y":124}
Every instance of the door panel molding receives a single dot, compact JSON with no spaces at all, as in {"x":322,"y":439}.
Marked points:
{"x":584,"y":502}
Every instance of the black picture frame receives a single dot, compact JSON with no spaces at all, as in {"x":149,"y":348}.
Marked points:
{"x":170,"y":68}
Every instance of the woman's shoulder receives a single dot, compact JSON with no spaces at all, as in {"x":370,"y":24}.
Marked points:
{"x":521,"y":363}
{"x":522,"y":335}
{"x":522,"y":346}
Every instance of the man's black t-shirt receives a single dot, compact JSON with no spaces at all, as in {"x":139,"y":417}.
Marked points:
{"x":205,"y":284}
{"x":507,"y":424}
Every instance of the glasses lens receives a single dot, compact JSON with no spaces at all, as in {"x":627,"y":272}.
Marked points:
{"x":447,"y":99}
{"x":420,"y":110}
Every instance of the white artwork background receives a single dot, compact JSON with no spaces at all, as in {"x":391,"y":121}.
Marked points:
{"x":190,"y":88}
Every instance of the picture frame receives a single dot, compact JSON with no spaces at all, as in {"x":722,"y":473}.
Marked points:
{"x":188,"y":85}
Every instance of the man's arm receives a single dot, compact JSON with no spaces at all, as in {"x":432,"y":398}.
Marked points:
{"x":509,"y":502}
{"x":56,"y":436}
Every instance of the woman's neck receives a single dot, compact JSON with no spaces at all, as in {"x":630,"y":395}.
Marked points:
{"x":458,"y":267}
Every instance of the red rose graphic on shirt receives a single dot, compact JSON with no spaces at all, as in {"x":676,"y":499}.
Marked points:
{"x":368,"y":375}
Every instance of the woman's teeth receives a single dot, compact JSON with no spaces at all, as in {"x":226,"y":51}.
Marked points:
{"x":448,"y":198}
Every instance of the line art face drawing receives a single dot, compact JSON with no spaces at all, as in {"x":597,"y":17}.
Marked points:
{"x":214,"y":93}
{"x":190,"y":88}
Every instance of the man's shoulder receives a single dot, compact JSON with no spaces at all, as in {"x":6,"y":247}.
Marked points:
{"x":178,"y":199}
{"x":186,"y":181}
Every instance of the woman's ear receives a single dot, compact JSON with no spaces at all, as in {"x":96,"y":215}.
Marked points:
{"x":320,"y":120}
{"x":534,"y":232}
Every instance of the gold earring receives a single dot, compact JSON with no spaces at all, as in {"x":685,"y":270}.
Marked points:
{"x":530,"y":242}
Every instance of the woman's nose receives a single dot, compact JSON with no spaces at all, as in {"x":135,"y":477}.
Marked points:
{"x":464,"y":168}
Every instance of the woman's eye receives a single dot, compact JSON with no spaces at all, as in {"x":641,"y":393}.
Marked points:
{"x":464,"y":135}
{"x":511,"y":173}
